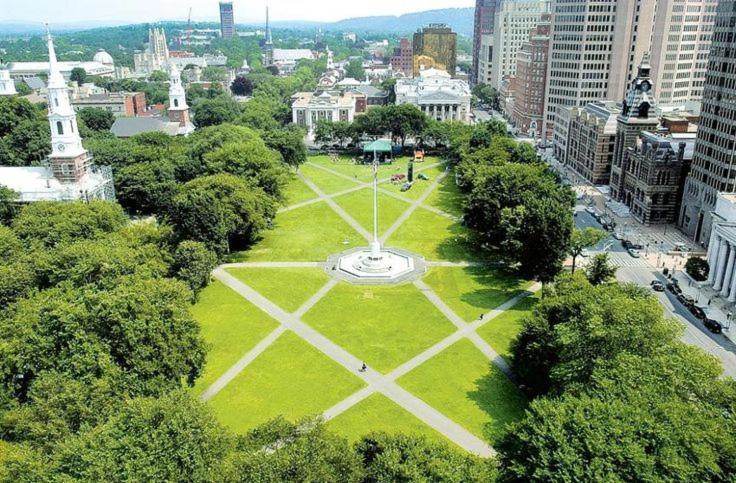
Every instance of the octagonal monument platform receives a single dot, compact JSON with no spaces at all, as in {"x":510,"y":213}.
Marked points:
{"x":376,"y":266}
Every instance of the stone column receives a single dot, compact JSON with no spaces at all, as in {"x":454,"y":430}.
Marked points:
{"x":732,"y":293}
{"x":727,"y":278}
{"x":721,"y":266}
{"x":713,"y":249}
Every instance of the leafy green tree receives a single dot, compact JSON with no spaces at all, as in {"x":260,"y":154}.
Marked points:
{"x":14,"y":110}
{"x":289,"y":142}
{"x":211,"y":112}
{"x":403,"y":121}
{"x":411,"y":458}
{"x":242,"y":86}
{"x":254,"y":162}
{"x":97,"y":119}
{"x":19,"y":463}
{"x":146,"y":187}
{"x":173,"y":438}
{"x":324,"y":132}
{"x":221,"y":211}
{"x":17,"y":274}
{"x":305,"y":451}
{"x":600,"y":269}
{"x":8,"y":205}
{"x":355,"y":69}
{"x":583,"y":239}
{"x":488,"y":96}
{"x":193,"y":262}
{"x":209,"y":139}
{"x":261,"y":113}
{"x":78,"y":75}
{"x":29,"y":143}
{"x":697,"y":268}
{"x":50,"y":223}
{"x":158,"y":76}
{"x":113,"y":152}
{"x":214,"y":74}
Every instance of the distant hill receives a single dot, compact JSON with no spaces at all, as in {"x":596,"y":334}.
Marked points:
{"x":459,"y":19}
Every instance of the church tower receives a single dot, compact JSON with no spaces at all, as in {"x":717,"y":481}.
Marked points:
{"x":178,"y":108}
{"x":268,"y":46}
{"x":7,"y":86}
{"x":330,"y":59}
{"x":69,"y":161}
{"x":637,"y":115}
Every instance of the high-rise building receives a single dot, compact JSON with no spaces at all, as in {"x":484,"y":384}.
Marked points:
{"x":485,"y":11}
{"x":530,"y":82}
{"x":435,"y":47}
{"x":713,"y":169}
{"x":402,"y":60}
{"x":595,"y":46}
{"x":227,"y":20}
{"x":637,"y":115}
{"x":680,"y":46}
{"x":513,"y":21}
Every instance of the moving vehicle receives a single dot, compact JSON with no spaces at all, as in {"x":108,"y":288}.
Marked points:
{"x":681,"y":247}
{"x":713,"y":326}
{"x":634,"y":253}
{"x":618,"y":235}
{"x":657,"y":286}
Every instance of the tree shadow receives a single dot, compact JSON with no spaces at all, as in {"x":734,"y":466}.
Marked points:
{"x":500,"y":284}
{"x":450,"y":198}
{"x":500,"y":399}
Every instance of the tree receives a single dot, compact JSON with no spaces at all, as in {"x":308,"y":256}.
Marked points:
{"x":404,"y":120}
{"x":97,"y":119}
{"x":289,"y":142}
{"x":8,"y":205}
{"x":582,"y":239}
{"x":488,"y":96}
{"x":600,"y":270}
{"x":192,"y":264}
{"x":174,"y":438}
{"x":355,"y":69}
{"x":697,"y":268}
{"x":158,"y":76}
{"x":242,"y":86}
{"x":214,"y":74}
{"x":78,"y":75}
{"x":211,"y":112}
{"x":146,"y":187}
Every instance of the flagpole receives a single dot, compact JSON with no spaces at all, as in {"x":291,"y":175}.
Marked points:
{"x":376,"y":245}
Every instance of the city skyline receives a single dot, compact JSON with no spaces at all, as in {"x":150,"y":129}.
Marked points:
{"x":208,"y":10}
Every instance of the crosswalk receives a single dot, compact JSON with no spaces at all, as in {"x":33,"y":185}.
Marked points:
{"x":621,"y":259}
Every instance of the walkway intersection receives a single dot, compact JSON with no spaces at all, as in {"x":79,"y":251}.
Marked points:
{"x":375,"y":381}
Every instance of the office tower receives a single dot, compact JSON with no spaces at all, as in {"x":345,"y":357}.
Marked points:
{"x":227,"y":20}
{"x":485,"y":11}
{"x":435,"y":47}
{"x":680,"y":46}
{"x":595,"y":47}
{"x":402,"y":60}
{"x":512,"y":24}
{"x":713,"y":169}
{"x":531,"y":80}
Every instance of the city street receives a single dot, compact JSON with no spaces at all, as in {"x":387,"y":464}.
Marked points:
{"x":642,"y":272}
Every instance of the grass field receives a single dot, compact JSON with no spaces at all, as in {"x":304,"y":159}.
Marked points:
{"x":231,"y":326}
{"x":291,"y":378}
{"x":377,"y":413}
{"x":500,"y":331}
{"x":384,"y":326}
{"x":288,"y":288}
{"x":359,"y":205}
{"x":463,"y":384}
{"x":471,"y":291}
{"x":361,"y":172}
{"x":447,"y":197}
{"x":327,"y":182}
{"x":309,"y":233}
{"x":297,"y":191}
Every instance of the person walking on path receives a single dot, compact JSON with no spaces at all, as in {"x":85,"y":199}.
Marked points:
{"x":363,"y":368}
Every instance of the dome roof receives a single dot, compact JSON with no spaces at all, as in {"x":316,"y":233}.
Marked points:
{"x":103,"y":58}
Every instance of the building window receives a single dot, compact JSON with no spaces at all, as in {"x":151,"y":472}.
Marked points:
{"x":176,"y":102}
{"x":59,"y":128}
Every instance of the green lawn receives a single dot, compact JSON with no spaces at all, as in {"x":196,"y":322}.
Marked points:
{"x":297,"y":191}
{"x":471,"y":291}
{"x":291,"y":378}
{"x":435,"y":237}
{"x":463,"y":384}
{"x":377,"y":413}
{"x":447,"y":197}
{"x":361,"y":172}
{"x":359,"y":205}
{"x":500,"y":331}
{"x":327,"y":182}
{"x":231,"y":326}
{"x":384,"y":326}
{"x":288,"y":288}
{"x":309,"y":233}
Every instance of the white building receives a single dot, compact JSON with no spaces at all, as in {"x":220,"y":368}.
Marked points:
{"x":722,"y":247}
{"x":7,"y":85}
{"x":178,"y":108}
{"x":156,"y":55}
{"x":437,"y":95}
{"x":286,"y":59}
{"x":309,"y":108}
{"x":70,"y":174}
{"x":513,"y":22}
{"x":24,"y":70}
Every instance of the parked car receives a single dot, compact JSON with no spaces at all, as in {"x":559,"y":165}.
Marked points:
{"x":657,"y":286}
{"x":591,"y":210}
{"x":634,"y":252}
{"x":685,"y":300}
{"x":406,"y":187}
{"x":673,"y":287}
{"x":713,"y":326}
{"x":681,"y":247}
{"x":698,"y":312}
{"x":618,"y":235}
{"x":627,"y":244}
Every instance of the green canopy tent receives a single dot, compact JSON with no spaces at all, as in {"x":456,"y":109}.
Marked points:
{"x":381,"y":148}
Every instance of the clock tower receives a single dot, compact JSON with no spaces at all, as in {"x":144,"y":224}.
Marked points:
{"x":178,"y":108}
{"x":637,"y":115}
{"x":69,"y":161}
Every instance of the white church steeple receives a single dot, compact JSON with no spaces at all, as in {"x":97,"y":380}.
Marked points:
{"x":65,"y":139}
{"x":330,"y":59}
{"x":7,"y":86}
{"x":178,"y":108}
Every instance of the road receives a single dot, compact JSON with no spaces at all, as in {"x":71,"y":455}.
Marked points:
{"x":637,"y":270}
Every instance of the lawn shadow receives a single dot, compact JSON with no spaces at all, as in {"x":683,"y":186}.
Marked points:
{"x":500,"y":285}
{"x":503,"y":402}
{"x":461,"y":246}
{"x":449,"y":197}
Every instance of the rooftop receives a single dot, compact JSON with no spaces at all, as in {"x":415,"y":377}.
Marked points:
{"x":36,"y":183}
{"x":125,"y":127}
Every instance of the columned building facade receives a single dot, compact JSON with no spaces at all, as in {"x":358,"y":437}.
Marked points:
{"x":436,"y":94}
{"x":722,"y":248}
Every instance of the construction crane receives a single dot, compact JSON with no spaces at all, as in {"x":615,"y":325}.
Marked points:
{"x":189,"y":28}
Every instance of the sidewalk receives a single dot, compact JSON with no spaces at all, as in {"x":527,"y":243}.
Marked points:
{"x":714,"y":306}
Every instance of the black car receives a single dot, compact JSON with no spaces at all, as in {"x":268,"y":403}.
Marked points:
{"x":674,"y":287}
{"x":657,"y":286}
{"x":713,"y":326}
{"x":685,"y":300}
{"x":698,"y":312}
{"x":627,"y":244}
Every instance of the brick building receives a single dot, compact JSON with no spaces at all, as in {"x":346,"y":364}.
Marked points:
{"x":591,"y":135}
{"x":121,"y":104}
{"x":402,"y":60}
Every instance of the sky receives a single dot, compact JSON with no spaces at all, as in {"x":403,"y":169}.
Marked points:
{"x":246,"y":11}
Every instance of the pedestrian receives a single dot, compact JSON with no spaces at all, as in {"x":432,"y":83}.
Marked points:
{"x":481,"y":316}
{"x":709,"y":301}
{"x":363,"y":368}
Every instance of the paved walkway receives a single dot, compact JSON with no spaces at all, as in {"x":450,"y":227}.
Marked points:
{"x":427,"y":414}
